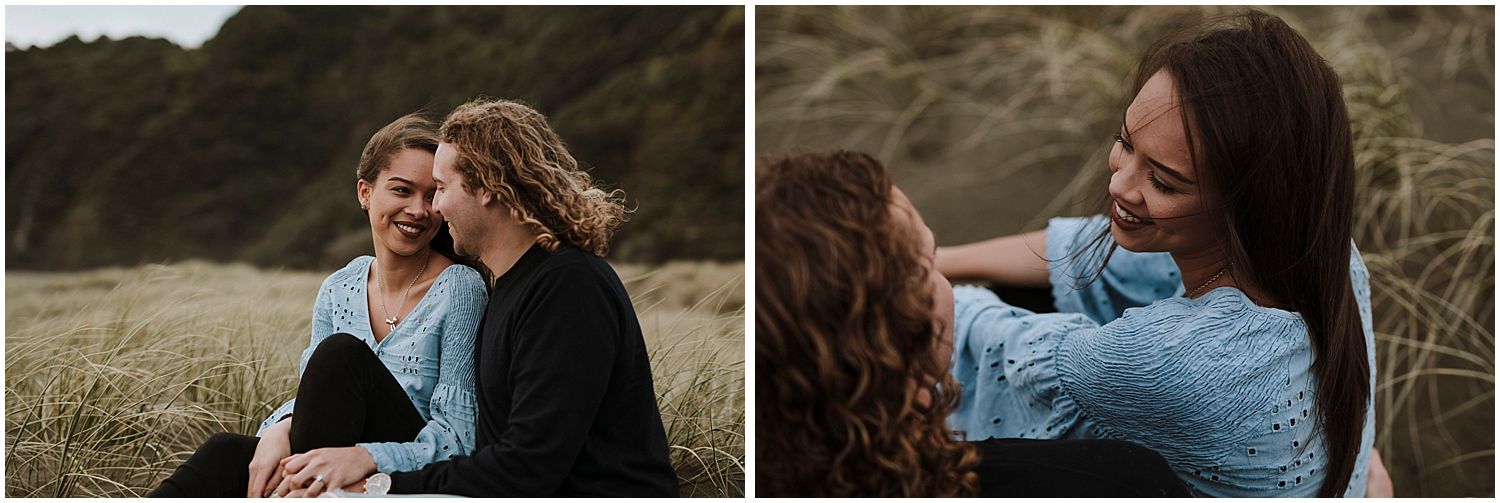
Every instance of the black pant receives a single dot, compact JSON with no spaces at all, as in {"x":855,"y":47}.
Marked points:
{"x":347,"y":396}
{"x":1016,"y":468}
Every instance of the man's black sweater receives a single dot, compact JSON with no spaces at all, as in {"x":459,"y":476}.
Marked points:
{"x":566,"y":403}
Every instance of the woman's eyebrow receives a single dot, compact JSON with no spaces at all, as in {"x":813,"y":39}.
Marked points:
{"x":1125,"y":132}
{"x":399,"y":179}
{"x":1170,"y":171}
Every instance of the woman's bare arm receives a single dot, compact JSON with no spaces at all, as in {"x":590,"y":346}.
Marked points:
{"x":1014,"y":261}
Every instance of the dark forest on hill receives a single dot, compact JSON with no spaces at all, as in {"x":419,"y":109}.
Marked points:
{"x":121,"y":152}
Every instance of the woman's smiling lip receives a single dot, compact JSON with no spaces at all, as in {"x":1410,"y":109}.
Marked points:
{"x":410,"y":230}
{"x":1127,"y":220}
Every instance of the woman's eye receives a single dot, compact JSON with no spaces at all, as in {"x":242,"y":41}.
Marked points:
{"x":1151,"y":175}
{"x":401,"y":190}
{"x":1123,"y":144}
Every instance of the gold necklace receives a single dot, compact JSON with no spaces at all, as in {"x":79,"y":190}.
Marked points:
{"x":1210,"y":280}
{"x":393,"y":320}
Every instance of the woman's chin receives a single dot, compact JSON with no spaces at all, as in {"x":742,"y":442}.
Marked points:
{"x":1131,"y":240}
{"x":404,"y":247}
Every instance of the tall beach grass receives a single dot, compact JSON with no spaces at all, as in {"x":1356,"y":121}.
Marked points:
{"x":995,"y":119}
{"x":114,"y":376}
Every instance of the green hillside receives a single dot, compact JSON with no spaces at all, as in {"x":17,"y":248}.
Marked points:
{"x":121,"y":152}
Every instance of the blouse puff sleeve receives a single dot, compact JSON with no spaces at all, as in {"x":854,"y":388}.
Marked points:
{"x":450,"y":431}
{"x":1066,"y":375}
{"x":1005,"y":357}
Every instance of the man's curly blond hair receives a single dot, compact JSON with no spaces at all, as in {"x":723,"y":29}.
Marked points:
{"x":506,"y":148}
{"x":846,"y":331}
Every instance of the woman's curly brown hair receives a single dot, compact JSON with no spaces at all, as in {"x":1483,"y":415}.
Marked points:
{"x":845,"y":338}
{"x":506,"y":148}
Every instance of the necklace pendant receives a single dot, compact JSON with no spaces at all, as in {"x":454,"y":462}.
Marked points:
{"x":391,"y":321}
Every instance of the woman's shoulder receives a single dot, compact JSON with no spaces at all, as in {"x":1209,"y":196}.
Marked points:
{"x":349,"y":277}
{"x":1191,"y":343}
{"x":461,"y":274}
{"x":1224,"y":312}
{"x":1207,"y":367}
{"x":1216,"y":343}
{"x":460,"y":286}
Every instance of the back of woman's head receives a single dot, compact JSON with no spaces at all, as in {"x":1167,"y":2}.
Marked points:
{"x":1270,"y":135}
{"x":845,"y":333}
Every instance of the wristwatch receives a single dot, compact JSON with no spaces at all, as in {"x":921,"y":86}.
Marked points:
{"x":378,"y":484}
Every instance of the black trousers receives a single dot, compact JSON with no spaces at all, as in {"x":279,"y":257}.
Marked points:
{"x":1023,"y":468}
{"x":346,"y":396}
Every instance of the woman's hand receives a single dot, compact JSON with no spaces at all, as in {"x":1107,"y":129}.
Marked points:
{"x":1379,"y":484}
{"x":265,"y":467}
{"x":337,"y":466}
{"x":356,"y":488}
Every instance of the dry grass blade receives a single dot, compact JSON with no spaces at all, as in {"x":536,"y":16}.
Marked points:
{"x":114,"y":376}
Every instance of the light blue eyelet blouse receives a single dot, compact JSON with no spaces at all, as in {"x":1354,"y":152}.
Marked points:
{"x":1219,"y":386}
{"x":431,"y":354}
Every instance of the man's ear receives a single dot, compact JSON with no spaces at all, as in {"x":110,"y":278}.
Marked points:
{"x":486,"y":197}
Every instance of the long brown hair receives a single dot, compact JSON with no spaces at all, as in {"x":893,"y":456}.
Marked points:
{"x":411,"y":131}
{"x":844,"y":333}
{"x":508,"y":149}
{"x":1272,"y":141}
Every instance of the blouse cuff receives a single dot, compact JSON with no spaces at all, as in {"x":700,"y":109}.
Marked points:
{"x":392,"y":457}
{"x":276,"y":416}
{"x":1005,"y":362}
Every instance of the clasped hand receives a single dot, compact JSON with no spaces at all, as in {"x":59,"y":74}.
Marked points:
{"x":311,"y":473}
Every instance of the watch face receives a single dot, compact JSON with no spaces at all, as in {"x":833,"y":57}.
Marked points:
{"x":378,"y":483}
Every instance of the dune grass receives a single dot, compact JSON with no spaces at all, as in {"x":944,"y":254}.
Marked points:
{"x":996,"y":118}
{"x":114,"y":376}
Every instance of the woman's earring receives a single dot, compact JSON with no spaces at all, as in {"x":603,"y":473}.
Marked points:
{"x":365,"y":207}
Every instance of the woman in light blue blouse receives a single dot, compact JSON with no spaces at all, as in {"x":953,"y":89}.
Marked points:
{"x":1218,"y":314}
{"x":387,"y":381}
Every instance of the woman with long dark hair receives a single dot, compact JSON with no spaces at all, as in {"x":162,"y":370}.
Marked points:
{"x":1218,"y":314}
{"x":853,"y":338}
{"x":386,"y":383}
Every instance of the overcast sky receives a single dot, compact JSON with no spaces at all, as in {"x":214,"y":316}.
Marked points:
{"x":188,"y":26}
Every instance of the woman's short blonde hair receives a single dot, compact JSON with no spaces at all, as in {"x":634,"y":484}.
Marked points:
{"x":507,"y":148}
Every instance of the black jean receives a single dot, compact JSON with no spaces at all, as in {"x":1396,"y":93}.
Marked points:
{"x":1023,"y":468}
{"x":346,"y":396}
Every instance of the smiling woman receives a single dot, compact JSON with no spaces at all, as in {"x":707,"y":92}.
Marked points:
{"x":1220,"y":315}
{"x":380,"y":388}
{"x":1155,"y":207}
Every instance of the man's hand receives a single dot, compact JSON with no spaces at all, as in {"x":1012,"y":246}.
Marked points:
{"x":265,"y":467}
{"x":1379,"y":483}
{"x":310,"y":473}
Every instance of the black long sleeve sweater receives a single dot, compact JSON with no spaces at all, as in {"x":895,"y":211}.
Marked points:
{"x":565,"y":396}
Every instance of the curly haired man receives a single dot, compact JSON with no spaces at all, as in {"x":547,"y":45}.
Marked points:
{"x":566,"y":405}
